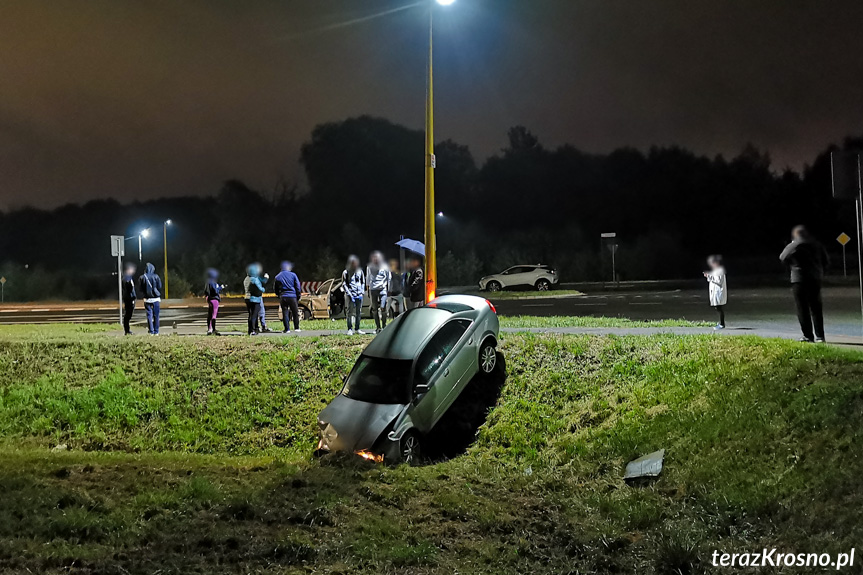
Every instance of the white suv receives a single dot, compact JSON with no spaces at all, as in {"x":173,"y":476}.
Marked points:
{"x":537,"y":276}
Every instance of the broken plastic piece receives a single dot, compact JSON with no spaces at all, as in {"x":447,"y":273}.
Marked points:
{"x":649,"y":465}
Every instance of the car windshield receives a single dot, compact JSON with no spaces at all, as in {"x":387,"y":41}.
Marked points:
{"x":379,"y":380}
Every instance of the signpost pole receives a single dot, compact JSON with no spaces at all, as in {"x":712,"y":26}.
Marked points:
{"x":858,"y":209}
{"x":2,"y":290}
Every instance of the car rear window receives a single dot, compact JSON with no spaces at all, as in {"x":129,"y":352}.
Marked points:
{"x":449,"y":306}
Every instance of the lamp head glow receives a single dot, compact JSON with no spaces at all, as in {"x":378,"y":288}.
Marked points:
{"x":168,"y":222}
{"x":145,"y":233}
{"x":445,"y":2}
{"x":440,"y":214}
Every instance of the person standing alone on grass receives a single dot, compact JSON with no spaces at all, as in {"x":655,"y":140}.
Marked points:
{"x":129,"y":296}
{"x":717,"y":284}
{"x":354,"y":284}
{"x":378,"y":280}
{"x":213,"y":293}
{"x":807,"y":259}
{"x":287,"y":287}
{"x":150,"y":286}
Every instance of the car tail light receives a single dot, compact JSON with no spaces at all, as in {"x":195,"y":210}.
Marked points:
{"x":491,"y":305}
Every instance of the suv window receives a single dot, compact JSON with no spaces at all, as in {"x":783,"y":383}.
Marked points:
{"x":437,"y":349}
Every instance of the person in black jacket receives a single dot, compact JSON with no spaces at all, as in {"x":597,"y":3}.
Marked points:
{"x":415,"y":290}
{"x":213,"y":293}
{"x":807,"y":259}
{"x":150,"y":287}
{"x":129,"y":296}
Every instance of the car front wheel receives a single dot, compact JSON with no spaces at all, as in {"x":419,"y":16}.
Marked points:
{"x":487,"y":358}
{"x":493,"y":286}
{"x":543,"y":285}
{"x":305,"y":314}
{"x":410,"y":448}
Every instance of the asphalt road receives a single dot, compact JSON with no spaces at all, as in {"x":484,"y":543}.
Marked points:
{"x":762,"y":310}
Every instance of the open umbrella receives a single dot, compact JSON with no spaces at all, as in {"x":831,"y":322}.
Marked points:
{"x":412,"y":246}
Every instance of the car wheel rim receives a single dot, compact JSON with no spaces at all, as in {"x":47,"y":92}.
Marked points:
{"x":493,"y":287}
{"x":488,"y":359}
{"x":543,"y":286}
{"x":411,"y":449}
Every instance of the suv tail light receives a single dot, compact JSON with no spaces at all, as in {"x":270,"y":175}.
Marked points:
{"x":491,"y":305}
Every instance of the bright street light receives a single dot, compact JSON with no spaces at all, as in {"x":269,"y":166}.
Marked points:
{"x":145,"y":233}
{"x":445,"y":2}
{"x":440,"y":214}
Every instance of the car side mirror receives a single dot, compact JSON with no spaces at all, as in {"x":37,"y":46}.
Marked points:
{"x":421,"y":388}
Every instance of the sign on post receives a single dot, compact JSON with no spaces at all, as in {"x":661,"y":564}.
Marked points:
{"x":843,"y":240}
{"x":612,"y":247}
{"x":118,"y":250}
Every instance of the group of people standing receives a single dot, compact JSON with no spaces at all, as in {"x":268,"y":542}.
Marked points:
{"x":149,"y":286}
{"x":806,"y":258}
{"x":286,"y":287}
{"x":390,"y":291}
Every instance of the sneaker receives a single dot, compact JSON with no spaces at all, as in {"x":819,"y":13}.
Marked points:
{"x":209,"y":333}
{"x":298,"y":330}
{"x":286,"y":331}
{"x":360,"y":332}
{"x":253,"y":333}
{"x":717,"y":327}
{"x":266,"y":330}
{"x":350,"y":332}
{"x":819,"y":340}
{"x":805,"y":340}
{"x":216,"y":333}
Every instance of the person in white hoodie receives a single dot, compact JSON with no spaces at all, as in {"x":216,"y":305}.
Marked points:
{"x":378,"y":278}
{"x":718,"y":286}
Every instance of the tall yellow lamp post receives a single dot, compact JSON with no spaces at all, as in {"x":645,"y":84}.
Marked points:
{"x":430,"y":239}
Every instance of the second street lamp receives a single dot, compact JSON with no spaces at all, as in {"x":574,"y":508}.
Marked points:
{"x":141,"y":236}
{"x":430,"y":164}
{"x":165,"y":225}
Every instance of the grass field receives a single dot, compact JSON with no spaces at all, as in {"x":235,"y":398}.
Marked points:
{"x":194,"y":455}
{"x":514,"y":322}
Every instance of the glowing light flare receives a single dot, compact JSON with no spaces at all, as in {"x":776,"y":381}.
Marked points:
{"x":369,"y":456}
{"x":445,"y":2}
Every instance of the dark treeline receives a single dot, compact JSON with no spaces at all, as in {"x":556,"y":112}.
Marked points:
{"x":527,"y":204}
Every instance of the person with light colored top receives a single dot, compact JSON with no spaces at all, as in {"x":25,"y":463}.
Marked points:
{"x":378,"y":280}
{"x":718,"y":287}
{"x":354,"y":286}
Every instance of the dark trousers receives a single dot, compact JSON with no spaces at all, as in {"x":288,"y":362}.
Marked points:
{"x":128,"y":310}
{"x":254,"y":311}
{"x":720,"y":309}
{"x":152,"y":310}
{"x":810,"y":313}
{"x":290,"y":309}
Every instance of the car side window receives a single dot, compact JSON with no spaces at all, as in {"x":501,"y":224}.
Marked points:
{"x":437,"y":350}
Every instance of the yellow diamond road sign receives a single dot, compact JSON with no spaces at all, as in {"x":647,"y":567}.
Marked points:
{"x":843,"y":239}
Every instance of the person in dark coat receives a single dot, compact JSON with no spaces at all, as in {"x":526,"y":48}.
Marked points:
{"x":287,"y":287}
{"x":150,"y":287}
{"x":213,"y":293}
{"x":807,"y":259}
{"x":415,"y":290}
{"x":130,"y":296}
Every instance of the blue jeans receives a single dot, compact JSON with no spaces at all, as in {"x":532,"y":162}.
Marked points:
{"x":354,"y":311}
{"x":152,"y":310}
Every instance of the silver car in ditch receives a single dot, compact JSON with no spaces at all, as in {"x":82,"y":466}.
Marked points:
{"x":408,"y":376}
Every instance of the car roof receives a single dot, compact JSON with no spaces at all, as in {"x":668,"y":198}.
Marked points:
{"x":404,"y":338}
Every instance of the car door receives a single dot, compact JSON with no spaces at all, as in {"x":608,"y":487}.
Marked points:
{"x":519,"y":275}
{"x":436,"y":368}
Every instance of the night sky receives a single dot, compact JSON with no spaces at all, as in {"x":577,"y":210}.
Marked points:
{"x":137,"y":100}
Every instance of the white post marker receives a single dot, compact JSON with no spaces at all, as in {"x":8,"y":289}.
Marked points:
{"x":843,"y":240}
{"x":118,"y":249}
{"x":3,"y":289}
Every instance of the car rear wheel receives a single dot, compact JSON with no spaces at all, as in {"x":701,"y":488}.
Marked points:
{"x":305,"y":313}
{"x":543,"y":285}
{"x":487,"y":358}
{"x":410,"y":448}
{"x":493,"y":286}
